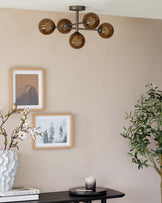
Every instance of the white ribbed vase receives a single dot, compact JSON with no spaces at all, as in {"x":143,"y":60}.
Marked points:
{"x":8,"y":169}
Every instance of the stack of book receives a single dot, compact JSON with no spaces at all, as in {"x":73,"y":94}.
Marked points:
{"x":19,"y":194}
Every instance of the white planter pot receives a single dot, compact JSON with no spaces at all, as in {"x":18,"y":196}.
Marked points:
{"x":8,"y":169}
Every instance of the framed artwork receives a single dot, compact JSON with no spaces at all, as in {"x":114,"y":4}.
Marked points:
{"x":27,"y":88}
{"x":56,"y":130}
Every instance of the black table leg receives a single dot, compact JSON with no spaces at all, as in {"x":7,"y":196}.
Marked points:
{"x":103,"y":200}
{"x":88,"y":201}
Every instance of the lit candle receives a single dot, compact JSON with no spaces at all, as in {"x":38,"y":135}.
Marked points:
{"x":90,"y":183}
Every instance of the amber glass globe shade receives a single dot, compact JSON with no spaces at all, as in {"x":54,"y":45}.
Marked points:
{"x":77,"y":40}
{"x":105,"y":30}
{"x":46,"y":26}
{"x":64,"y":26}
{"x":91,"y":21}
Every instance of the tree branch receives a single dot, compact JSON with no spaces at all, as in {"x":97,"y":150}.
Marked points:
{"x":156,"y":168}
{"x":4,"y":121}
{"x":152,"y":160}
{"x":13,"y":137}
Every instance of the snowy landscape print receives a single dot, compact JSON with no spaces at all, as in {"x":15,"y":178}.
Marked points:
{"x":55,"y":131}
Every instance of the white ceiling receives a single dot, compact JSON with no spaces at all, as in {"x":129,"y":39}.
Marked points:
{"x":130,"y":8}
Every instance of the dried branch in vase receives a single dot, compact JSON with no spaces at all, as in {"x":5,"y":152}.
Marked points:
{"x":21,"y":132}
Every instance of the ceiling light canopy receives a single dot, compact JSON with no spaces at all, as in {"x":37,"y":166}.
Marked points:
{"x":90,"y":22}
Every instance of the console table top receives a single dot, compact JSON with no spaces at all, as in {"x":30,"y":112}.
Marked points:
{"x":65,"y":197}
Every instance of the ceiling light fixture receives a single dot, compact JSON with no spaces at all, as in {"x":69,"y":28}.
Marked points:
{"x":90,"y":21}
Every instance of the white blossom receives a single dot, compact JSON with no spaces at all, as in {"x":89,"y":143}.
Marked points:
{"x":23,"y":117}
{"x":26,"y":124}
{"x":21,"y":113}
{"x":26,"y":111}
{"x":32,"y":133}
{"x":36,"y":130}
{"x":22,"y":135}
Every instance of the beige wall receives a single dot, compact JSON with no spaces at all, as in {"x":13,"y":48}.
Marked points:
{"x":97,"y":84}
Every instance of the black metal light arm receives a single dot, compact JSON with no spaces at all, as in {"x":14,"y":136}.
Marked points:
{"x":77,"y":20}
{"x":78,"y":23}
{"x":79,"y":28}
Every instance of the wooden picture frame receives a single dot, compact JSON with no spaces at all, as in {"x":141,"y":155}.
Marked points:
{"x":27,"y":88}
{"x":56,"y":130}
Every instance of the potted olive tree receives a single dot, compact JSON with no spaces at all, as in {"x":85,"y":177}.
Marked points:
{"x":144,"y":134}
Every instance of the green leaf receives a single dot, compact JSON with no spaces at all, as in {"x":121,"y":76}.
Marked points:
{"x":5,"y":142}
{"x":159,"y":150}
